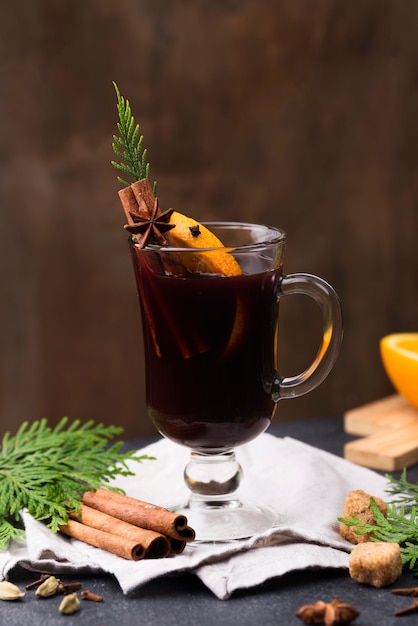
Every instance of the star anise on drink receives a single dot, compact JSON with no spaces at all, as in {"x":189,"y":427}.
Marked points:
{"x":150,"y":225}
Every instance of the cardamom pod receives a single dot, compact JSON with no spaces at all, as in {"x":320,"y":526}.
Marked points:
{"x":69,"y":604}
{"x":48,"y":587}
{"x":9,"y":591}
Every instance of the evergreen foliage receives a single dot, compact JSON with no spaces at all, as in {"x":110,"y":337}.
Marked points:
{"x":46,"y":471}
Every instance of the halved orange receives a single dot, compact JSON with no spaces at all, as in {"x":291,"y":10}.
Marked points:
{"x":399,"y":352}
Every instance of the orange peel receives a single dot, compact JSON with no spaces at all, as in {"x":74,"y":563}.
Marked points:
{"x":139,"y":203}
{"x":188,"y":233}
{"x":185,"y":234}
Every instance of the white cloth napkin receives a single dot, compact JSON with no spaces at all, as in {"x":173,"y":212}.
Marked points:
{"x":305,"y":485}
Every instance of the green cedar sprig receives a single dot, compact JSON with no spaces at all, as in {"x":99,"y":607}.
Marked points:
{"x":128,"y":146}
{"x":400,"y":525}
{"x":406,"y":492}
{"x":46,"y":471}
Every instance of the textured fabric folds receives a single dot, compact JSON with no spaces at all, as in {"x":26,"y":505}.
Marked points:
{"x":305,"y":485}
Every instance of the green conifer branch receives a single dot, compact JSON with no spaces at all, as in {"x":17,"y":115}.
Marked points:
{"x":399,"y":525}
{"x":46,"y":470}
{"x":128,"y":146}
{"x":406,"y":492}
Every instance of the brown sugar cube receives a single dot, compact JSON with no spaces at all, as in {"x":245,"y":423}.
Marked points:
{"x":375,"y":563}
{"x":357,"y":504}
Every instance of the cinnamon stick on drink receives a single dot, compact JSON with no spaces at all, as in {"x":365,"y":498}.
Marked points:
{"x":139,"y":513}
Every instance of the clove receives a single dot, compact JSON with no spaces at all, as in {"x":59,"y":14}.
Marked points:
{"x":37,"y":582}
{"x":68,"y":587}
{"x":406,"y":591}
{"x":408,"y":610}
{"x":89,"y":595}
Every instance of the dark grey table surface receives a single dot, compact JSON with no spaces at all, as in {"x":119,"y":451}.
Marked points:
{"x":185,"y":600}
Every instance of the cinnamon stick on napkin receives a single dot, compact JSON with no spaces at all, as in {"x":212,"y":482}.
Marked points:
{"x":140,"y":513}
{"x":127,"y":527}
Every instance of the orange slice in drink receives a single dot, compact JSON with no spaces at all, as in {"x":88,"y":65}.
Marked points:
{"x":138,"y":201}
{"x":188,"y":233}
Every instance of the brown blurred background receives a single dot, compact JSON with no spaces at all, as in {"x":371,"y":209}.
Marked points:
{"x":297,"y":113}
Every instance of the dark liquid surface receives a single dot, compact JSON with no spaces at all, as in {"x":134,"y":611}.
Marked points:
{"x":210,"y":345}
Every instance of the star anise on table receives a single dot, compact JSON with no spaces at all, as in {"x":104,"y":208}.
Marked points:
{"x":150,"y":225}
{"x":334,"y":613}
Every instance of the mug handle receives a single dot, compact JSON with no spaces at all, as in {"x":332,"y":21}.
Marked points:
{"x":332,"y":334}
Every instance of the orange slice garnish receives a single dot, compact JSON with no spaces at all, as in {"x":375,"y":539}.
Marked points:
{"x":188,"y":233}
{"x":140,"y":204}
{"x":212,"y":257}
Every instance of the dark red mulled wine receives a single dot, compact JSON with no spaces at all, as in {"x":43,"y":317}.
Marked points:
{"x":210,"y":350}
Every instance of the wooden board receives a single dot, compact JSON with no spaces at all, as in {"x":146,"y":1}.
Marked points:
{"x":389,"y":430}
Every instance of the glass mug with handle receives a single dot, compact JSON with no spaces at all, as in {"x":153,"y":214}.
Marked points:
{"x":211,"y":326}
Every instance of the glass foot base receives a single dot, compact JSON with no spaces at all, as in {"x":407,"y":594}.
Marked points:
{"x":219,"y":522}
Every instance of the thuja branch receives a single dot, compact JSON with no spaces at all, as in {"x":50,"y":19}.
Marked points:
{"x":400,"y":525}
{"x":128,"y":145}
{"x":406,"y":492}
{"x":46,"y":470}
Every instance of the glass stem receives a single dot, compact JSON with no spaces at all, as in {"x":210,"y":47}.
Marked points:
{"x":213,"y":479}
